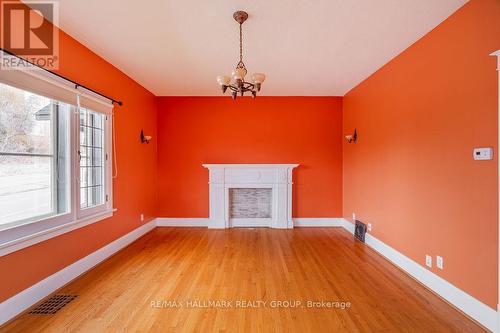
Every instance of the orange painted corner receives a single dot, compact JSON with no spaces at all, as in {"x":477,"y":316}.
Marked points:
{"x":411,"y":174}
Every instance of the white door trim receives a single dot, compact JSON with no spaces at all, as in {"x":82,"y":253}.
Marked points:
{"x":497,"y":54}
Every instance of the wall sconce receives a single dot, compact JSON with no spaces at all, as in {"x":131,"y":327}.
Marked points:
{"x":145,"y":138}
{"x":352,"y":138}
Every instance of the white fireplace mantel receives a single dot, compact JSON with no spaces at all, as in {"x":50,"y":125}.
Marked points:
{"x":223,"y":177}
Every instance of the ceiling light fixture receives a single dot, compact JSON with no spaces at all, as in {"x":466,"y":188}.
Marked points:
{"x":239,"y":85}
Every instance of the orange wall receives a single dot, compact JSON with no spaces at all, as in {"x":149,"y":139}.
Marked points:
{"x":134,"y":189}
{"x":412,"y":174}
{"x":196,"y":130}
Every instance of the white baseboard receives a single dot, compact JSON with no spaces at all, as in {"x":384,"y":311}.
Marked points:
{"x":203,"y":222}
{"x":498,"y":319}
{"x":181,"y":222}
{"x":474,"y":308}
{"x":30,"y":296}
{"x":318,"y":222}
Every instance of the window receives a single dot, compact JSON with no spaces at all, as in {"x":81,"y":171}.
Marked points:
{"x":91,"y":155}
{"x":55,"y":158}
{"x":34,"y":163}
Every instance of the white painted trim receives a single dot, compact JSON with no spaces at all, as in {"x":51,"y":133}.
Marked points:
{"x":474,"y":308}
{"x":497,"y":54}
{"x":203,"y":222}
{"x":318,"y":222}
{"x":223,"y":177}
{"x":20,"y":234}
{"x":107,"y":159}
{"x":30,"y":296}
{"x":258,"y":166}
{"x":25,"y":241}
{"x":181,"y":222}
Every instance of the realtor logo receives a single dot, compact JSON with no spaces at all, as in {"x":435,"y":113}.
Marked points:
{"x":29,"y":30}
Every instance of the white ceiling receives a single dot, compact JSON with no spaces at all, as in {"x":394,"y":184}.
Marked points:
{"x":306,"y":48}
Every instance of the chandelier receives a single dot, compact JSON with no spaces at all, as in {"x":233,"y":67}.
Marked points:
{"x":239,"y":85}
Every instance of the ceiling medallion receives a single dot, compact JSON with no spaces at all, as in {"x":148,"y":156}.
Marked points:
{"x":239,"y":85}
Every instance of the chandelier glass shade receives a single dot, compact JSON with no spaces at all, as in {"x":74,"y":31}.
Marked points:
{"x":236,"y":83}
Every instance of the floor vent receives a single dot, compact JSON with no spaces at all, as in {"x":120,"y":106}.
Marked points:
{"x":360,"y":231}
{"x":53,"y":304}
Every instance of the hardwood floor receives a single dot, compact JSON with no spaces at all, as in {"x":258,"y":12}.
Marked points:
{"x":299,"y":265}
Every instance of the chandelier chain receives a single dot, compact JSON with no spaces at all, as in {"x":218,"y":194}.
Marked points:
{"x":236,"y":83}
{"x":241,"y":64}
{"x":241,"y":44}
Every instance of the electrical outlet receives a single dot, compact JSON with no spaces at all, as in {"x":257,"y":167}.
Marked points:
{"x":142,"y":217}
{"x":428,"y":260}
{"x":369,"y":227}
{"x":439,"y":262}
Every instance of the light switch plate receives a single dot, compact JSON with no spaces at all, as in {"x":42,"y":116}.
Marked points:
{"x":428,"y":260}
{"x":483,"y":154}
{"x":439,"y":262}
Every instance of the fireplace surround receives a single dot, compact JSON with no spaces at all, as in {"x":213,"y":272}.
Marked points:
{"x":230,"y":184}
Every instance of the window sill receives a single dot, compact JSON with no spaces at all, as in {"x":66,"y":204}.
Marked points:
{"x":23,"y":242}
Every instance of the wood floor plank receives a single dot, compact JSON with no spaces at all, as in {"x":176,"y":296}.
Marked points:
{"x":279,"y":267}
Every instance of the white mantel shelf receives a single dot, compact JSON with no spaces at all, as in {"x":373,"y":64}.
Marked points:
{"x":208,"y":166}
{"x":277,"y":177}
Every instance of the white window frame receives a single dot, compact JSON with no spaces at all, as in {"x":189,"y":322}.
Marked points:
{"x":107,"y":159}
{"x":29,"y":232}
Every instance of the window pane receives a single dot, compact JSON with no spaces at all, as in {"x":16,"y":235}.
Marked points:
{"x":25,"y":122}
{"x":25,"y":188}
{"x":91,"y":159}
{"x":34,"y":156}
